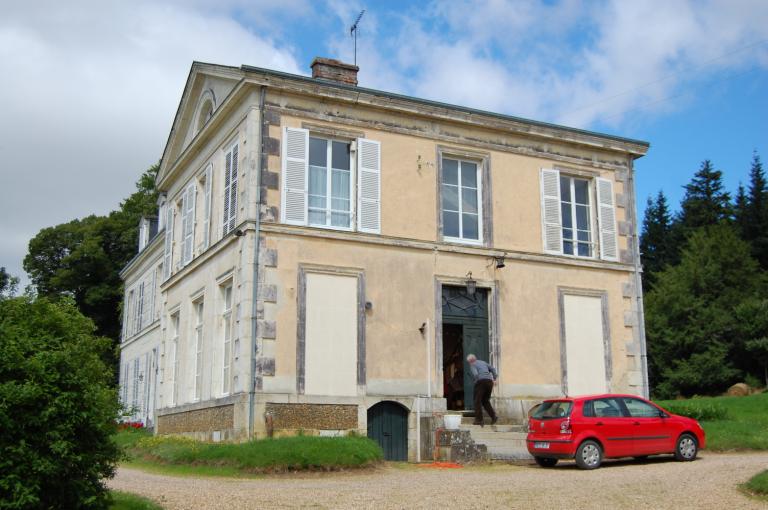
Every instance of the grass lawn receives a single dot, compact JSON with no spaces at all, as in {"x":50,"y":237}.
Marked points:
{"x":757,"y":486}
{"x":127,"y":501}
{"x":731,"y":423}
{"x":183,"y":456}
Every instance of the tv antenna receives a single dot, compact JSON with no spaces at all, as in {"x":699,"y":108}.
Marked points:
{"x":353,"y":31}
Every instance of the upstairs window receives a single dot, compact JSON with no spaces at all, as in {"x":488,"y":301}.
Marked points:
{"x":578,"y":216}
{"x":460,"y":192}
{"x":330,"y":183}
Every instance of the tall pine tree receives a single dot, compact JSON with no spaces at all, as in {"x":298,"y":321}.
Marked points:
{"x":705,"y":202}
{"x":655,"y":240}
{"x":756,"y":212}
{"x":741,"y":211}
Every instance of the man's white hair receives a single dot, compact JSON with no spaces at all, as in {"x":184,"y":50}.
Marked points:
{"x":471,"y":358}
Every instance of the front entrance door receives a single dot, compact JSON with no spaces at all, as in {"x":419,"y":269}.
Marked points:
{"x":388,"y":426}
{"x":465,"y":331}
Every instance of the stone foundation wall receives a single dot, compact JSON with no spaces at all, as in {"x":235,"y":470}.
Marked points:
{"x":312,"y":416}
{"x":199,"y":420}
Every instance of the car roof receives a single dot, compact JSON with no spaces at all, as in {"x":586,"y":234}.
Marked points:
{"x":579,"y":398}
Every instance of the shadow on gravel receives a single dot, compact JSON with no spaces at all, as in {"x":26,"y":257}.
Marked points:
{"x":617,"y":463}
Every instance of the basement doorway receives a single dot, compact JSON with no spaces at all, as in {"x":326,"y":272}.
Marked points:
{"x":388,"y":426}
{"x":465,"y":331}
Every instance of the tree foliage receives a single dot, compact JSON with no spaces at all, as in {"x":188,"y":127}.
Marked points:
{"x":57,"y":407}
{"x":8,"y":284}
{"x":756,"y":212}
{"x":695,"y":337}
{"x":655,"y":241}
{"x":705,"y":202}
{"x":83,"y":258}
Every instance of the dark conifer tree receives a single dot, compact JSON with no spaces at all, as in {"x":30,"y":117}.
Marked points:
{"x":705,"y":202}
{"x":656,"y":243}
{"x":756,"y":213}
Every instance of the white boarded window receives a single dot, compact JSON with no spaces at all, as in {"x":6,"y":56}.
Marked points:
{"x":584,"y":345}
{"x":226,"y":339}
{"x":460,"y":193}
{"x":230,"y":190}
{"x":173,"y":360}
{"x":197,"y":347}
{"x":331,"y":335}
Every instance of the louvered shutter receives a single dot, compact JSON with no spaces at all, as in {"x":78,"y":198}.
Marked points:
{"x":606,"y":218}
{"x":369,"y":186}
{"x":168,"y":248}
{"x":188,"y":204}
{"x":550,"y":211}
{"x":139,"y":309}
{"x":227,"y":187}
{"x":233,"y":190}
{"x":295,"y":175}
{"x":207,"y":207}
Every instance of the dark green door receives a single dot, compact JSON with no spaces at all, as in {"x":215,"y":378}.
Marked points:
{"x":470,"y":311}
{"x":388,"y":426}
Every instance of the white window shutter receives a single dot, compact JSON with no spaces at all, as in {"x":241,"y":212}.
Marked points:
{"x":369,"y":186}
{"x":551,"y":225}
{"x":295,"y":173}
{"x":606,"y":218}
{"x":233,"y":190}
{"x":168,"y":248}
{"x":207,"y":211}
{"x":227,"y":188}
{"x":188,"y":204}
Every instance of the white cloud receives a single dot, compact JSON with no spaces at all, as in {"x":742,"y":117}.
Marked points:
{"x":89,"y":90}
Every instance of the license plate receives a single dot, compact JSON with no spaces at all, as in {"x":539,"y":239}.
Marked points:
{"x":541,"y":445}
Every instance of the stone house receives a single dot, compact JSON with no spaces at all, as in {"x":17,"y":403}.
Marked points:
{"x":327,"y":255}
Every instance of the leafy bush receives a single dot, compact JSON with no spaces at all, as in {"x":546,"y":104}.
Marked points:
{"x":57,"y":407}
{"x":265,"y":455}
{"x":701,"y":410}
{"x":758,"y":484}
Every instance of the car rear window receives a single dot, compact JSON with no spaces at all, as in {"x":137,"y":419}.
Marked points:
{"x":553,"y":409}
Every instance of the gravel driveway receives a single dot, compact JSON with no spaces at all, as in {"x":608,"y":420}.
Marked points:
{"x":709,"y":482}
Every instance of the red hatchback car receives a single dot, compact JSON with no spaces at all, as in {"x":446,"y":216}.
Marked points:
{"x":592,"y":428}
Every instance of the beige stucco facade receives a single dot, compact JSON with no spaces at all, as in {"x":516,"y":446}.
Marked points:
{"x":399,"y":268}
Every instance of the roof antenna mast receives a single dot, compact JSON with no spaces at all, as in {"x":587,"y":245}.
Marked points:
{"x":353,"y":31}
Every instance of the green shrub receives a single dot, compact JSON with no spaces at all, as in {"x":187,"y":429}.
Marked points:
{"x":127,"y":501}
{"x":57,"y":407}
{"x":264,"y":455}
{"x":700,"y":410}
{"x":758,"y":484}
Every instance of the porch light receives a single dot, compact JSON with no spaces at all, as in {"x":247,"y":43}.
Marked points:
{"x":471,"y":284}
{"x":500,"y":262}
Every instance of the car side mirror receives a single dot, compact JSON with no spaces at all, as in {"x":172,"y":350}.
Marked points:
{"x":662,"y":414}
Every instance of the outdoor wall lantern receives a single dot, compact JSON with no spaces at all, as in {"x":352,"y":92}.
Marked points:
{"x":499,"y":262}
{"x":471,"y":284}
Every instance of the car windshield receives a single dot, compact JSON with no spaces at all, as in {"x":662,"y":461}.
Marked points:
{"x":553,"y":409}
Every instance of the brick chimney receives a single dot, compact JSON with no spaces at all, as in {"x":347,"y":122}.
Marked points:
{"x":329,"y":69}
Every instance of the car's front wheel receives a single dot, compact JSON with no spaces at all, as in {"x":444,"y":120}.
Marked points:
{"x":687,"y":448}
{"x":589,"y":455}
{"x":545,"y":461}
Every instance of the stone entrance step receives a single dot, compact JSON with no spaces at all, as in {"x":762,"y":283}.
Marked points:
{"x":502,"y":442}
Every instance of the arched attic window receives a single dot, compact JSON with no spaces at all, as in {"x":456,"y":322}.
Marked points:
{"x":205,"y":111}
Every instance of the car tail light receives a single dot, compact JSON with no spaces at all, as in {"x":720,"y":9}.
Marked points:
{"x":565,"y":426}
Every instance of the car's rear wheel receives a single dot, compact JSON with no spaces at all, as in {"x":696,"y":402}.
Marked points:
{"x":545,"y":461}
{"x":589,"y":455}
{"x":687,"y":448}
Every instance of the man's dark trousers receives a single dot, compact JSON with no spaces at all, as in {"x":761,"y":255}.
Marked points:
{"x":483,"y":389}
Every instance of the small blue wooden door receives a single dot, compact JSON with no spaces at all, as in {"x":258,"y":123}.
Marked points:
{"x":388,"y":426}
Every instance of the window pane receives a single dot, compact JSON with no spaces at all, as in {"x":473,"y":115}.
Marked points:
{"x":469,"y":175}
{"x":340,"y":184}
{"x":582,"y":191}
{"x":340,"y":204}
{"x":340,"y":219}
{"x":450,"y":224}
{"x":317,"y":181}
{"x":568,"y":247}
{"x":584,"y":250}
{"x":565,"y":213}
{"x":583,"y":235}
{"x":316,"y":217}
{"x":582,"y":217}
{"x":340,"y":155}
{"x":469,"y":224}
{"x":450,"y":198}
{"x":318,"y":152}
{"x":639,"y":409}
{"x":607,"y":408}
{"x":567,"y":233}
{"x":469,"y":200}
{"x":451,"y":171}
{"x":565,"y":189}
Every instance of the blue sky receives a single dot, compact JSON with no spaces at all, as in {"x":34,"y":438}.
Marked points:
{"x":90,"y":87}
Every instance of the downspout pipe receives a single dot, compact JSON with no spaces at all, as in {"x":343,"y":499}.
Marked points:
{"x":632,"y":207}
{"x":257,"y":228}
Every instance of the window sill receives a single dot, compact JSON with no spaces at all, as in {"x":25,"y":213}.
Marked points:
{"x":458,"y":240}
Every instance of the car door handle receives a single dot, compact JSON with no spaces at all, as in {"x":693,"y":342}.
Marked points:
{"x":637,"y":423}
{"x":599,"y":423}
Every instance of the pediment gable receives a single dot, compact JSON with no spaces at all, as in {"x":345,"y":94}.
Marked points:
{"x":207,"y":87}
